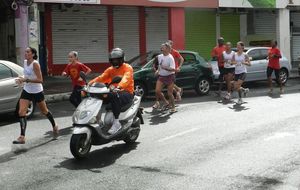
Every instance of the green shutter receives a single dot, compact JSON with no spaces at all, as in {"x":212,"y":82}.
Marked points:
{"x":200,"y":31}
{"x":230,"y":28}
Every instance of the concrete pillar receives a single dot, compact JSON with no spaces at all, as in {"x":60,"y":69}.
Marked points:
{"x":283,"y":32}
{"x":218,"y":27}
{"x":243,"y":27}
{"x":21,"y":31}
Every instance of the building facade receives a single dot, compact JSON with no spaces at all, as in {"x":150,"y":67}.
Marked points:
{"x":94,"y":27}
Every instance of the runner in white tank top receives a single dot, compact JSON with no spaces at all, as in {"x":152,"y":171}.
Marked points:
{"x":32,"y":92}
{"x":29,"y":74}
{"x":228,"y":68}
{"x":240,"y":60}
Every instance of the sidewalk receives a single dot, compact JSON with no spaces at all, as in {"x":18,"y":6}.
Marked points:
{"x":59,"y":88}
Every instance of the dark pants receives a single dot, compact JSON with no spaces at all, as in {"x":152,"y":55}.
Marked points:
{"x":75,"y":97}
{"x":118,"y":100}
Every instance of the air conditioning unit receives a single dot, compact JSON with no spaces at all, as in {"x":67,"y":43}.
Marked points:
{"x":69,"y":7}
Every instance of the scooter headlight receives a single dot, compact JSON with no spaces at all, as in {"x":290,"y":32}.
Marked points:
{"x":84,"y":114}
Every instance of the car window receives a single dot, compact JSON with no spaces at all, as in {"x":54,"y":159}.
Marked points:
{"x":264,"y":53}
{"x":188,"y":58}
{"x":255,"y":54}
{"x":5,"y":72}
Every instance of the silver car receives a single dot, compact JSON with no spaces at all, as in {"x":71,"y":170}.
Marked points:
{"x":10,"y":91}
{"x":259,"y":64}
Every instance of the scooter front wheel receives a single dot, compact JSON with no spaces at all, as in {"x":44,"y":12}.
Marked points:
{"x":78,"y":147}
{"x":133,"y":134}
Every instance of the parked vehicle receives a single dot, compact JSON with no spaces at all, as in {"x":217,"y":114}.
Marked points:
{"x":140,"y":60}
{"x":195,"y":74}
{"x":92,"y":129}
{"x":259,"y":64}
{"x":10,"y":91}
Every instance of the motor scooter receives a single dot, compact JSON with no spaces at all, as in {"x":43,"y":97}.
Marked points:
{"x":93,"y":118}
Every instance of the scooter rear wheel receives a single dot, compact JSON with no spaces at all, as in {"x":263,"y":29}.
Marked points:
{"x":78,"y":147}
{"x":133,"y":134}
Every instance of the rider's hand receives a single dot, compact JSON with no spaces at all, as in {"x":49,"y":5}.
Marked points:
{"x":90,"y":83}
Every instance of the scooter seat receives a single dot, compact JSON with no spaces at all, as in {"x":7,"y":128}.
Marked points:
{"x":123,"y":109}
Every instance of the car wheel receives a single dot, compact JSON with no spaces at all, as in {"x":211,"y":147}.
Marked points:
{"x":283,"y":74}
{"x":202,"y":86}
{"x":30,"y":110}
{"x":140,"y":89}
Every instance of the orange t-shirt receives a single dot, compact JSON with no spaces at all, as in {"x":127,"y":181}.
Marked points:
{"x":125,"y":71}
{"x":218,"y":52}
{"x":176,"y":55}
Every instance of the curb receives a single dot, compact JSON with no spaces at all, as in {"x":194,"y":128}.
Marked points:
{"x":51,"y":98}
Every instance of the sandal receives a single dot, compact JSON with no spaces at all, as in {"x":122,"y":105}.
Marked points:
{"x":55,"y":132}
{"x":20,"y":140}
{"x":156,"y":105}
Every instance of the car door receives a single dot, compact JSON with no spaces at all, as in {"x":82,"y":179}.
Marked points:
{"x":263,"y":63}
{"x":10,"y":91}
{"x":257,"y":65}
{"x":188,"y":73}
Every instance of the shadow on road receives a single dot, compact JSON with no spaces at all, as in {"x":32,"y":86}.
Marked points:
{"x":158,"y":117}
{"x":98,"y":159}
{"x":239,"y":108}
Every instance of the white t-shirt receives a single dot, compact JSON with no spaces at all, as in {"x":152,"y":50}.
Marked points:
{"x":240,"y":67}
{"x":227,"y":59}
{"x":32,"y":88}
{"x":165,"y":61}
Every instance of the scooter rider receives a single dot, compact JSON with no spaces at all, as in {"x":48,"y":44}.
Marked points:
{"x":123,"y":92}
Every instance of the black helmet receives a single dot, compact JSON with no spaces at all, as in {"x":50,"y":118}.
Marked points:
{"x":116,"y":57}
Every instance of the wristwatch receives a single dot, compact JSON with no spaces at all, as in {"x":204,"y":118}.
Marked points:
{"x":27,"y":80}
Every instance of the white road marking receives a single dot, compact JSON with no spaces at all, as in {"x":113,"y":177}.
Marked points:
{"x":177,"y":135}
{"x":279,"y":136}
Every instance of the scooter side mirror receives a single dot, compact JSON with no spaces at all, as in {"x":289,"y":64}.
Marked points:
{"x":83,"y":76}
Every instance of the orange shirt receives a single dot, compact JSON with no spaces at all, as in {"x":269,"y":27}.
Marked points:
{"x":125,"y":71}
{"x":218,"y":52}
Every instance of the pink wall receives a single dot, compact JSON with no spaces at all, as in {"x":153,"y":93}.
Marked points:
{"x":177,"y":27}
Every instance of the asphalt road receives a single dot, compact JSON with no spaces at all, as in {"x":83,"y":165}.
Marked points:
{"x":207,"y":144}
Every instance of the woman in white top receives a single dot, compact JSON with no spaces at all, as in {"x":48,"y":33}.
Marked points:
{"x":240,"y":60}
{"x":32,"y":91}
{"x":166,"y":76}
{"x":228,"y":68}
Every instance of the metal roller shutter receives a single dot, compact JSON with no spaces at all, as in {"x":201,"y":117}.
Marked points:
{"x":80,"y":28}
{"x":126,"y":30}
{"x":230,"y":27}
{"x":296,"y":48}
{"x":156,"y":27}
{"x":265,"y":23}
{"x":200,"y":31}
{"x":295,"y":18}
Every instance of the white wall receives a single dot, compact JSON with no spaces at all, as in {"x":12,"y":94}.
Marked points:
{"x":283,"y":32}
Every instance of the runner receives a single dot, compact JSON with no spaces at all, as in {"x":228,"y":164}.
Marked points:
{"x":166,"y":76}
{"x":274,"y":56}
{"x":216,"y":55}
{"x":240,"y":60}
{"x":229,"y":68}
{"x":178,"y":63}
{"x":73,"y":70}
{"x":32,"y":91}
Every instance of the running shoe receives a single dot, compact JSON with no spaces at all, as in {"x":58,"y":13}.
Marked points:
{"x":173,"y":110}
{"x":55,"y":132}
{"x":227,"y":96}
{"x":270,"y":91}
{"x":156,"y":105}
{"x":281,"y":91}
{"x":240,"y":101}
{"x":20,"y":140}
{"x":246,"y":91}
